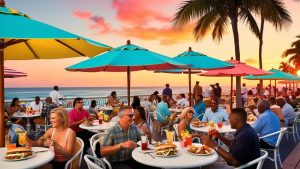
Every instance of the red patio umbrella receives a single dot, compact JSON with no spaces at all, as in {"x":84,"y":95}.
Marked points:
{"x":11,"y":73}
{"x":239,"y":69}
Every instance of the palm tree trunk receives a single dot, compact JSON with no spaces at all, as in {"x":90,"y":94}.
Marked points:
{"x":262,"y":23}
{"x":235,"y":31}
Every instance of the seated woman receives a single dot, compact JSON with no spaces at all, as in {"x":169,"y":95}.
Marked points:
{"x":92,"y":110}
{"x":60,"y":136}
{"x":140,"y":121}
{"x":15,"y":107}
{"x":135,"y":102}
{"x":112,"y":99}
{"x":185,"y":122}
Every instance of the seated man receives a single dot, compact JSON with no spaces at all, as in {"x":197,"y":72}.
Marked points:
{"x":162,"y":110}
{"x":47,"y":107}
{"x":287,"y":110}
{"x":266,"y":123}
{"x":119,"y":142}
{"x":182,"y":101}
{"x":199,"y":107}
{"x":215,"y":113}
{"x":36,"y":105}
{"x":245,"y":145}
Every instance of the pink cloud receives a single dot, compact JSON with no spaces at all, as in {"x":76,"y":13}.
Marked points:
{"x":82,"y":14}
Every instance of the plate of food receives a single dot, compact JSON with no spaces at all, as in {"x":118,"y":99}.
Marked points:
{"x":19,"y":153}
{"x":198,"y":123}
{"x":199,"y":150}
{"x":166,"y":150}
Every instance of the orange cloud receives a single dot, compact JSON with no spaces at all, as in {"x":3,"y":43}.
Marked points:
{"x":251,"y":61}
{"x":82,"y":14}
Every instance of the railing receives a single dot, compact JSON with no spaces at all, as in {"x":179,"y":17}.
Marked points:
{"x":68,"y":102}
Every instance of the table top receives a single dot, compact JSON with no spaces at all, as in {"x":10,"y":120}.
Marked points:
{"x":182,"y":160}
{"x":106,"y":108}
{"x":175,"y":110}
{"x":24,"y":115}
{"x":224,"y":129}
{"x":39,"y":159}
{"x":96,"y":127}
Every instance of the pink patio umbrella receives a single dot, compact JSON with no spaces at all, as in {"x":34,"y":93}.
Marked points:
{"x":239,"y":69}
{"x":11,"y":73}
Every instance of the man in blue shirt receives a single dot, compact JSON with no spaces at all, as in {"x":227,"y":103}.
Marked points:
{"x":167,"y":91}
{"x":214,"y":113}
{"x":287,"y":110}
{"x":162,"y":110}
{"x":245,"y":145}
{"x":199,"y":107}
{"x":266,"y":123}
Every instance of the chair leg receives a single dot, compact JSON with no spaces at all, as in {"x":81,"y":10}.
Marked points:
{"x":287,"y":136}
{"x":297,"y":133}
{"x":275,"y":159}
{"x":35,"y":132}
{"x":279,"y":159}
{"x":294,"y":133}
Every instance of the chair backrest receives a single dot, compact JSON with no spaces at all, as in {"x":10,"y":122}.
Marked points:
{"x":259,"y":161}
{"x":94,"y":162}
{"x":75,"y":161}
{"x":280,"y":132}
{"x":200,"y":116}
{"x":296,"y":117}
{"x":93,"y":142}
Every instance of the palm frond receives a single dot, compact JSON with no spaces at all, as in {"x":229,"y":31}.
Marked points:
{"x":247,"y":18}
{"x":220,"y":27}
{"x":288,"y":52}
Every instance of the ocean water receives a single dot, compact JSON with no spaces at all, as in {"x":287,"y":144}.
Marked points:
{"x":30,"y":93}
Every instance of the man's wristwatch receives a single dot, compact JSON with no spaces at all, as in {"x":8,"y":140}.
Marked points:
{"x":121,"y":146}
{"x":217,"y":148}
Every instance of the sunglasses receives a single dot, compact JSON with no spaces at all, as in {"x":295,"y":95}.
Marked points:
{"x":129,"y":115}
{"x":80,"y":102}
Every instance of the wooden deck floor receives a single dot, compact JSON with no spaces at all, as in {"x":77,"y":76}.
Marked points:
{"x":293,"y":159}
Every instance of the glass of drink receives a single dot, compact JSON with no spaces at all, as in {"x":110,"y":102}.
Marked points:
{"x":11,"y":145}
{"x":100,"y":121}
{"x":22,"y":138}
{"x":188,"y":140}
{"x":144,"y":143}
{"x":220,"y":124}
{"x":170,"y":136}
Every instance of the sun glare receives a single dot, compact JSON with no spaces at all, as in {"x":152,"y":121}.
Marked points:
{"x":298,"y":73}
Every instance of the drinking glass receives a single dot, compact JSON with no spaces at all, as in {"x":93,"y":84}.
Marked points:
{"x":170,"y":136}
{"x":144,"y":143}
{"x":220,"y":124}
{"x":22,"y":139}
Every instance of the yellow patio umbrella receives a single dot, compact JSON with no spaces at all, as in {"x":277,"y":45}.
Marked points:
{"x":22,"y":38}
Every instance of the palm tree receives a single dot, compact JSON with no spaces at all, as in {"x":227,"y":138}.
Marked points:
{"x":293,"y":53}
{"x":216,"y":15}
{"x":286,"y":67}
{"x":272,"y":11}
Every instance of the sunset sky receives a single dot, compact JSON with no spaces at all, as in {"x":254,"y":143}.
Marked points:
{"x":146,"y":24}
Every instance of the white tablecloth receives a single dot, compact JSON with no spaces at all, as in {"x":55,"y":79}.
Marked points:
{"x":38,"y":160}
{"x":96,"y":127}
{"x":27,"y":116}
{"x":224,"y":129}
{"x":182,"y":160}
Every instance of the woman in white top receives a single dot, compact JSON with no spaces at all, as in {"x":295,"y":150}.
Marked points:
{"x":60,"y":137}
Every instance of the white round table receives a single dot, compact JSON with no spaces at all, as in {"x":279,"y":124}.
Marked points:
{"x":39,"y":159}
{"x":224,"y":129}
{"x":182,"y":160}
{"x":27,"y":116}
{"x":106,"y":108}
{"x":96,"y":127}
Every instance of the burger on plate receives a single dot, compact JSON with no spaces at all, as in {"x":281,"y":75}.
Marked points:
{"x":18,"y":153}
{"x":166,"y":150}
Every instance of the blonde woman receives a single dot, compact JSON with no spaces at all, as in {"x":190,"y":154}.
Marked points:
{"x":60,"y":136}
{"x":186,"y":118}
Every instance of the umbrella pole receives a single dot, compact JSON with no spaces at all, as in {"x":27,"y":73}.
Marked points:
{"x":231,"y":89}
{"x":2,"y":125}
{"x":275,"y":90}
{"x":190,"y":87}
{"x":270,"y":87}
{"x":128,"y":85}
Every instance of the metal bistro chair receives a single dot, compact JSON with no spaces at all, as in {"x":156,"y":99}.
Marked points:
{"x":75,"y":161}
{"x":293,"y":129}
{"x":276,"y":156}
{"x":176,"y":135}
{"x":259,"y":161}
{"x":94,"y":162}
{"x":93,"y":141}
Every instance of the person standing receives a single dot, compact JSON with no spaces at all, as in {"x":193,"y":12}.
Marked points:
{"x":56,"y":96}
{"x":244,"y":94}
{"x":218,"y":91}
{"x":167,"y":91}
{"x":197,"y":90}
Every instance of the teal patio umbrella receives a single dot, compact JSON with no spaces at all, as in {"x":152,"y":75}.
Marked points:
{"x":126,"y":58}
{"x":196,"y":61}
{"x":22,"y":38}
{"x":277,"y":75}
